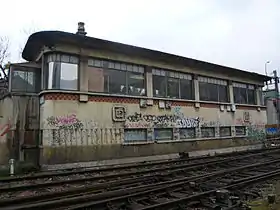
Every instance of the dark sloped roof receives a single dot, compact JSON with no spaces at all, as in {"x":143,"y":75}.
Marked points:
{"x":50,"y":38}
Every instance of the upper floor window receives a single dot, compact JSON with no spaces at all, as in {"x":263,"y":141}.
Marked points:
{"x":211,"y":89}
{"x":116,"y":78}
{"x":243,"y":93}
{"x":25,"y":80}
{"x":62,"y":72}
{"x":169,"y":84}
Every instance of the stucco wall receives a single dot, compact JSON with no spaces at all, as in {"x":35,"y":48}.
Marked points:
{"x":96,"y":116}
{"x":6,"y":120}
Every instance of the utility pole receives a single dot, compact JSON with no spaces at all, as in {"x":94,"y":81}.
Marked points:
{"x":276,"y":80}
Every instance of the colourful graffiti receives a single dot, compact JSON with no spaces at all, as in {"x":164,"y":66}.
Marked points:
{"x":65,"y":122}
{"x":255,"y":130}
{"x":4,"y":129}
{"x":138,"y":120}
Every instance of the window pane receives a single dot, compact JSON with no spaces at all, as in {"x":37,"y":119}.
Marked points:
{"x":240,"y":130}
{"x":251,"y":96}
{"x":223,"y":93}
{"x":187,"y":133}
{"x":204,"y":92}
{"x":225,"y":131}
{"x":69,"y":76}
{"x":26,"y":81}
{"x":159,"y":86}
{"x":163,"y":133}
{"x":115,"y":81}
{"x":96,"y":79}
{"x":240,"y":95}
{"x":208,"y":91}
{"x":186,"y":89}
{"x":207,"y":132}
{"x":172,"y":87}
{"x":135,"y":135}
{"x":136,"y":84}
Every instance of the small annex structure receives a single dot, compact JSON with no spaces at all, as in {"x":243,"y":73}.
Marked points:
{"x":80,"y":98}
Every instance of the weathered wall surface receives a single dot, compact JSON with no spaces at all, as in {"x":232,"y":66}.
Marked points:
{"x":6,"y":110}
{"x":19,"y":119}
{"x":74,"y":131}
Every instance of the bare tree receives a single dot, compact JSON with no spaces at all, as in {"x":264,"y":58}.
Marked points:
{"x":26,"y":33}
{"x":4,"y":53}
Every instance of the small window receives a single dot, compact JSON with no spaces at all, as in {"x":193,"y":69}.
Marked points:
{"x":187,"y":133}
{"x":240,"y":130}
{"x":136,"y":83}
{"x":172,"y":87}
{"x":135,"y":135}
{"x":25,"y":80}
{"x":207,"y":132}
{"x":225,"y":131}
{"x":62,"y":72}
{"x":159,"y":86}
{"x":213,"y":89}
{"x":163,"y":133}
{"x":244,"y":94}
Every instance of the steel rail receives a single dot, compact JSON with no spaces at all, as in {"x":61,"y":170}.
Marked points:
{"x":105,"y":197}
{"x":130,"y":166}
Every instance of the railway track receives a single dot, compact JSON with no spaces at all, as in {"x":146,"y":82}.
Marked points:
{"x":196,"y":192}
{"x":139,"y":181}
{"x":68,"y":179}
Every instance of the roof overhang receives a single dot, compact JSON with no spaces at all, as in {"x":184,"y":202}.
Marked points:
{"x":51,"y":38}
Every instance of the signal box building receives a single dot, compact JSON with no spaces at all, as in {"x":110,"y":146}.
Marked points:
{"x":80,"y":98}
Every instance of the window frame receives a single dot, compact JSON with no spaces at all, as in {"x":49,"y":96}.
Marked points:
{"x":136,"y":129}
{"x":59,"y":54}
{"x":240,"y":126}
{"x":36,"y":78}
{"x":165,"y":139}
{"x":187,"y":129}
{"x":180,"y":76}
{"x":245,"y":87}
{"x":128,"y":68}
{"x":222,"y":127}
{"x":212,"y":128}
{"x":214,"y":81}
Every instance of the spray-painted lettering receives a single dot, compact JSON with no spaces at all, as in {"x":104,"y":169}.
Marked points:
{"x":149,"y":120}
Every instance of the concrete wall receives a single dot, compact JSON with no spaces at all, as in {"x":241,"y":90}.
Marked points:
{"x":98,"y":136}
{"x":6,"y":119}
{"x":18,"y":114}
{"x":81,"y":126}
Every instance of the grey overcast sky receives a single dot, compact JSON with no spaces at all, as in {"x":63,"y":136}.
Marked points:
{"x":238,"y":33}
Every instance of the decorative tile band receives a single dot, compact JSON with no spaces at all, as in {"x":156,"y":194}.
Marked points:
{"x":127,"y":100}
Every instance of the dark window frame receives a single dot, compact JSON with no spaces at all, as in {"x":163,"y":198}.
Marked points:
{"x":215,"y":86}
{"x":128,"y":68}
{"x":238,"y":87}
{"x":187,"y":129}
{"x":212,"y":128}
{"x":225,"y":127}
{"x":164,"y":139}
{"x":179,"y":76}
{"x":36,"y":78}
{"x":243,"y":128}
{"x":57,"y":58}
{"x":136,"y":140}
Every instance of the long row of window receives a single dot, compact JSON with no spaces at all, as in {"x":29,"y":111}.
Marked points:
{"x":61,"y":72}
{"x":160,"y":134}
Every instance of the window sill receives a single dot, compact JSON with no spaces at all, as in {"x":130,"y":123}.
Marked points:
{"x":137,"y":143}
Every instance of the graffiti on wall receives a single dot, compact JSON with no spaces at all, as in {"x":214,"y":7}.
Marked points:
{"x":65,"y":122}
{"x":255,"y":130}
{"x":139,"y":120}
